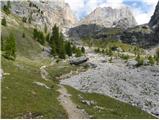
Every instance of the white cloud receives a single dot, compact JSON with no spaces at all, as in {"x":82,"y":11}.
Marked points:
{"x":76,"y":6}
{"x":91,"y":5}
{"x":150,"y":2}
{"x":113,"y":3}
{"x":141,"y":17}
{"x":144,"y":17}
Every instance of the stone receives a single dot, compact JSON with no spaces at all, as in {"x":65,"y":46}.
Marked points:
{"x":79,"y":60}
{"x":132,"y":63}
{"x":146,"y":62}
{"x":87,"y":102}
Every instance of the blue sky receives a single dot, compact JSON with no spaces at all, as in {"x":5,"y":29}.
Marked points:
{"x":142,"y":9}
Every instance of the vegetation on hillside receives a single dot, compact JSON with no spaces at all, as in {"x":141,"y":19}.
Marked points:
{"x":3,"y":22}
{"x":21,"y":97}
{"x":6,"y":8}
{"x":38,"y":35}
{"x":60,"y":47}
{"x":9,"y":47}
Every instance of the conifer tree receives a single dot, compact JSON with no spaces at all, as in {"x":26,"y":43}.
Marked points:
{"x":61,"y":47}
{"x":10,"y":47}
{"x":3,"y":22}
{"x":45,"y":28}
{"x":68,"y":48}
{"x":83,"y":49}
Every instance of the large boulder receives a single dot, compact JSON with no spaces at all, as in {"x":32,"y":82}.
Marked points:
{"x":132,"y":63}
{"x":79,"y":60}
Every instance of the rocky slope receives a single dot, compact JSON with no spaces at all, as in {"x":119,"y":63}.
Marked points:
{"x":45,"y":12}
{"x":136,"y":86}
{"x":109,"y":17}
{"x":94,"y":31}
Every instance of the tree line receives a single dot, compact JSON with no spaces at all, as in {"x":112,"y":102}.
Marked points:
{"x":55,"y":39}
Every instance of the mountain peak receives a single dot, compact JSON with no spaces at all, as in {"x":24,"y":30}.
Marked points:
{"x":111,"y":17}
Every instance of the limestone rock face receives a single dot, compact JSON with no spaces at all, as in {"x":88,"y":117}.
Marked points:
{"x":108,"y":17}
{"x":45,"y":12}
{"x":154,"y":24}
{"x":144,"y":35}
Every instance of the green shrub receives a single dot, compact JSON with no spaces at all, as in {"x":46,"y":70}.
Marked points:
{"x":30,"y":19}
{"x":6,"y":9}
{"x":156,"y":56}
{"x":78,"y":53}
{"x":2,"y":43}
{"x":110,"y":60}
{"x":125,"y":57}
{"x":3,"y":22}
{"x":109,"y":52}
{"x":97,"y":50}
{"x":83,"y":49}
{"x":151,"y":60}
{"x":139,"y":60}
{"x":24,"y":19}
{"x":23,"y":35}
{"x":38,"y":35}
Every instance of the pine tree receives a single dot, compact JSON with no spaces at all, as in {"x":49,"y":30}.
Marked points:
{"x":8,"y":4}
{"x":61,"y":47}
{"x":74,"y":49}
{"x":68,"y":48}
{"x":78,"y":52}
{"x":35,"y":32}
{"x":53,"y":50}
{"x":45,"y":28}
{"x":24,"y":19}
{"x":6,"y":9}
{"x":38,"y":35}
{"x":83,"y":49}
{"x":10,"y":48}
{"x":3,"y":22}
{"x":151,"y":60}
{"x":23,"y":35}
{"x":2,"y":44}
{"x":48,"y":37}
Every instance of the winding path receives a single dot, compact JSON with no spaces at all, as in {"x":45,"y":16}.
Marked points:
{"x":69,"y":106}
{"x":65,"y":100}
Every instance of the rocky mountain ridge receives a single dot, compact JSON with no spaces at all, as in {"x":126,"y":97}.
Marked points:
{"x":44,"y":12}
{"x":109,"y":17}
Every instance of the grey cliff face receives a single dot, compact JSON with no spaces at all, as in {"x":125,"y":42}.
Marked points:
{"x":154,"y":24}
{"x":45,"y":12}
{"x":144,"y":35}
{"x":108,"y":17}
